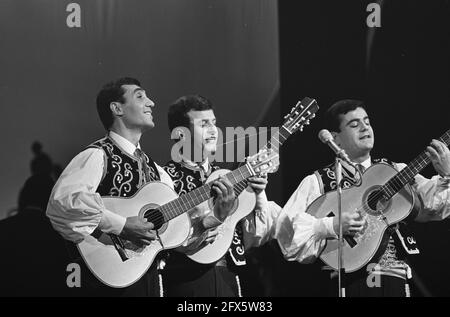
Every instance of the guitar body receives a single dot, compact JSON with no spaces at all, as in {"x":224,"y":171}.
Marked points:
{"x":103,"y":259}
{"x":363,"y":198}
{"x":244,"y":205}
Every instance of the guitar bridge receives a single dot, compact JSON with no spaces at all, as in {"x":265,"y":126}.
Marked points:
{"x":382,"y":217}
{"x":351,"y":241}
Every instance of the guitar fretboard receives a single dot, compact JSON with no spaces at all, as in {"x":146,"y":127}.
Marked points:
{"x":197,"y":196}
{"x":406,"y":175}
{"x":290,"y":126}
{"x":238,"y":177}
{"x":274,"y":143}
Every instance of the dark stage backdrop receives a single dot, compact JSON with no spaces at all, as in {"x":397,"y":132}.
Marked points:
{"x":229,"y":52}
{"x":405,"y":81}
{"x":51,"y":70}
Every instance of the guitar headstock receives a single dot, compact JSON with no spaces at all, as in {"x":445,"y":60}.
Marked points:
{"x":264,"y":162}
{"x":300,"y":115}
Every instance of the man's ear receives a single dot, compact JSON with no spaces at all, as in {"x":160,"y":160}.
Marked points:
{"x":116,"y":108}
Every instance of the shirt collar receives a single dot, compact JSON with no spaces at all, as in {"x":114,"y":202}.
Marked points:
{"x":126,"y":145}
{"x":204,"y":165}
{"x":366,"y":163}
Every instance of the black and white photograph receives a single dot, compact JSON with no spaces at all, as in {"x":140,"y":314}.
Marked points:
{"x":225,"y":154}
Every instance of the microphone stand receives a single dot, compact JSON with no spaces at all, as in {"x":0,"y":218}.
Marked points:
{"x":341,"y":270}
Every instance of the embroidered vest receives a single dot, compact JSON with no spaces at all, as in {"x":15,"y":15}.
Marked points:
{"x":186,"y":179}
{"x":122,"y":176}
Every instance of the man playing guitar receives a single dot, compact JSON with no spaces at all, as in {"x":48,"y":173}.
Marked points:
{"x":192,"y":120}
{"x":302,"y":237}
{"x":115,"y":166}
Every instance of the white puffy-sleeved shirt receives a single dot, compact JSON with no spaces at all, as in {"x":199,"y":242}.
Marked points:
{"x":302,"y":237}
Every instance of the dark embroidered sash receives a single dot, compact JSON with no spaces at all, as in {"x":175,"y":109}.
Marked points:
{"x":237,"y":250}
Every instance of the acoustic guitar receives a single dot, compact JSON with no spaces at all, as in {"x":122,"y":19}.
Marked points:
{"x":299,"y":116}
{"x":117,"y":262}
{"x":384,"y":197}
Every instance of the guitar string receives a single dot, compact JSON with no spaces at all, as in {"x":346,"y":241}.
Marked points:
{"x":375,"y":198}
{"x":289,"y":124}
{"x":189,"y":199}
{"x":244,"y":183}
{"x":168,"y":209}
{"x":444,"y":138}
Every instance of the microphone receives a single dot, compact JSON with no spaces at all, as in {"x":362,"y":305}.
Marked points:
{"x":326,"y":137}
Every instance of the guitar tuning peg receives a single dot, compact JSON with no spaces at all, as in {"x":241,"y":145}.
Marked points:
{"x":301,"y":107}
{"x":307,"y":122}
{"x":313,"y":115}
{"x":301,"y":129}
{"x":286,"y":116}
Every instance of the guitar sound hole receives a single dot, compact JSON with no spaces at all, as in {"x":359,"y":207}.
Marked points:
{"x":154,"y":216}
{"x":375,"y":201}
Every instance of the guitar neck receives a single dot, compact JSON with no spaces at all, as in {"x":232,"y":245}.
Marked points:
{"x":238,"y":178}
{"x":274,"y":143}
{"x":197,"y":196}
{"x":407,"y":174}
